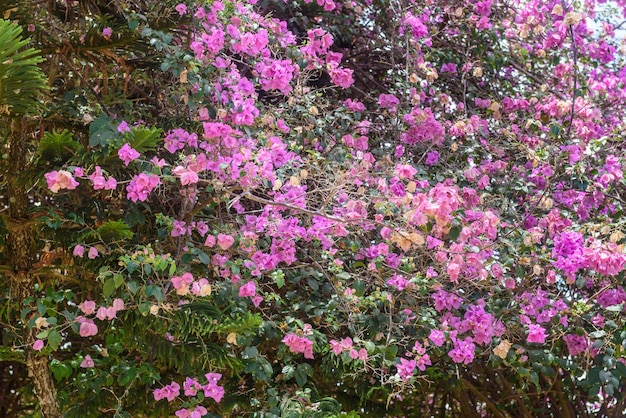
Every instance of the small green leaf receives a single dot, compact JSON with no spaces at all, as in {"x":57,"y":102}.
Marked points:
{"x":597,"y":334}
{"x":42,"y":335}
{"x":109,"y":287}
{"x":280,"y":281}
{"x":132,"y":287}
{"x":118,"y":279}
{"x":204,"y":258}
{"x":155,"y":292}
{"x":288,"y":371}
{"x":534,"y":377}
{"x":60,"y":370}
{"x":301,"y":375}
{"x":127,"y":376}
{"x":54,"y":339}
{"x":455,"y":232}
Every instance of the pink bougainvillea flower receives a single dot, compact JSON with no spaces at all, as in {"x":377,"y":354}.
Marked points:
{"x":210,"y":241}
{"x":169,"y":392}
{"x":256,"y":300}
{"x":61,"y":179}
{"x":298,"y":344}
{"x":127,"y":154}
{"x":406,"y":369}
{"x":247,"y":290}
{"x":159,"y":162}
{"x":88,"y":307}
{"x":79,"y":251}
{"x":225,"y":241}
{"x":181,"y":283}
{"x":388,"y":101}
{"x":141,"y":185}
{"x":101,"y":314}
{"x":111,"y":313}
{"x":87,"y":362}
{"x":88,"y":328}
{"x":214,"y":392}
{"x":93,"y":253}
{"x":123,"y":127}
{"x":118,"y":304}
{"x":437,"y":337}
{"x":187,"y":176}
{"x":536,"y":334}
{"x":181,"y":9}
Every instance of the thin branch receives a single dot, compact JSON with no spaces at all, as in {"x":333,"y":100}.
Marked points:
{"x":492,"y":407}
{"x":574,"y":68}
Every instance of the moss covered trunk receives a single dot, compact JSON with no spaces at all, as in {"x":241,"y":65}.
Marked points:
{"x":22,"y":250}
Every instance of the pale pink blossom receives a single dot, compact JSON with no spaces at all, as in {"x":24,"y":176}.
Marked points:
{"x":61,"y":179}
{"x":187,"y":176}
{"x":88,"y":307}
{"x":88,"y":328}
{"x":79,"y":251}
{"x":225,"y":241}
{"x":87,"y":362}
{"x":93,"y":253}
{"x":118,"y":304}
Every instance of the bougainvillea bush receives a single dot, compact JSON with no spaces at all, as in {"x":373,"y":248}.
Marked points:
{"x":317,"y":208}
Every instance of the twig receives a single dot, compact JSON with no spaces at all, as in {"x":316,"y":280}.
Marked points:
{"x":574,"y":65}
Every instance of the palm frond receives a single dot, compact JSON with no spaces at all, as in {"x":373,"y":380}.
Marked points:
{"x":21,"y":80}
{"x":57,"y":147}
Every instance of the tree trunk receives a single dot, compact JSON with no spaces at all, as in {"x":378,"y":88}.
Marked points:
{"x":22,"y":249}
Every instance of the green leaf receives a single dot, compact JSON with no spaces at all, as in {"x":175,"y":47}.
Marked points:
{"x":127,"y":376}
{"x":109,"y":287}
{"x":288,"y":371}
{"x":42,"y":335}
{"x":101,"y":131}
{"x":597,"y":334}
{"x":359,"y":287}
{"x":114,"y":230}
{"x":594,"y":391}
{"x":301,"y":375}
{"x":534,"y":377}
{"x":54,"y":339}
{"x":60,"y":370}
{"x":57,"y":147}
{"x":132,"y":287}
{"x":21,"y":80}
{"x":144,"y":139}
{"x":204,"y":258}
{"x":155,"y":292}
{"x":118,"y":279}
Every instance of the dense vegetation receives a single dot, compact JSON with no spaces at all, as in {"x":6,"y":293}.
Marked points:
{"x":312,"y":208}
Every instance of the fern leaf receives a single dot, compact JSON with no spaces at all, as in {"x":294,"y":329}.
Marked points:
{"x":57,"y":147}
{"x":21,"y":80}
